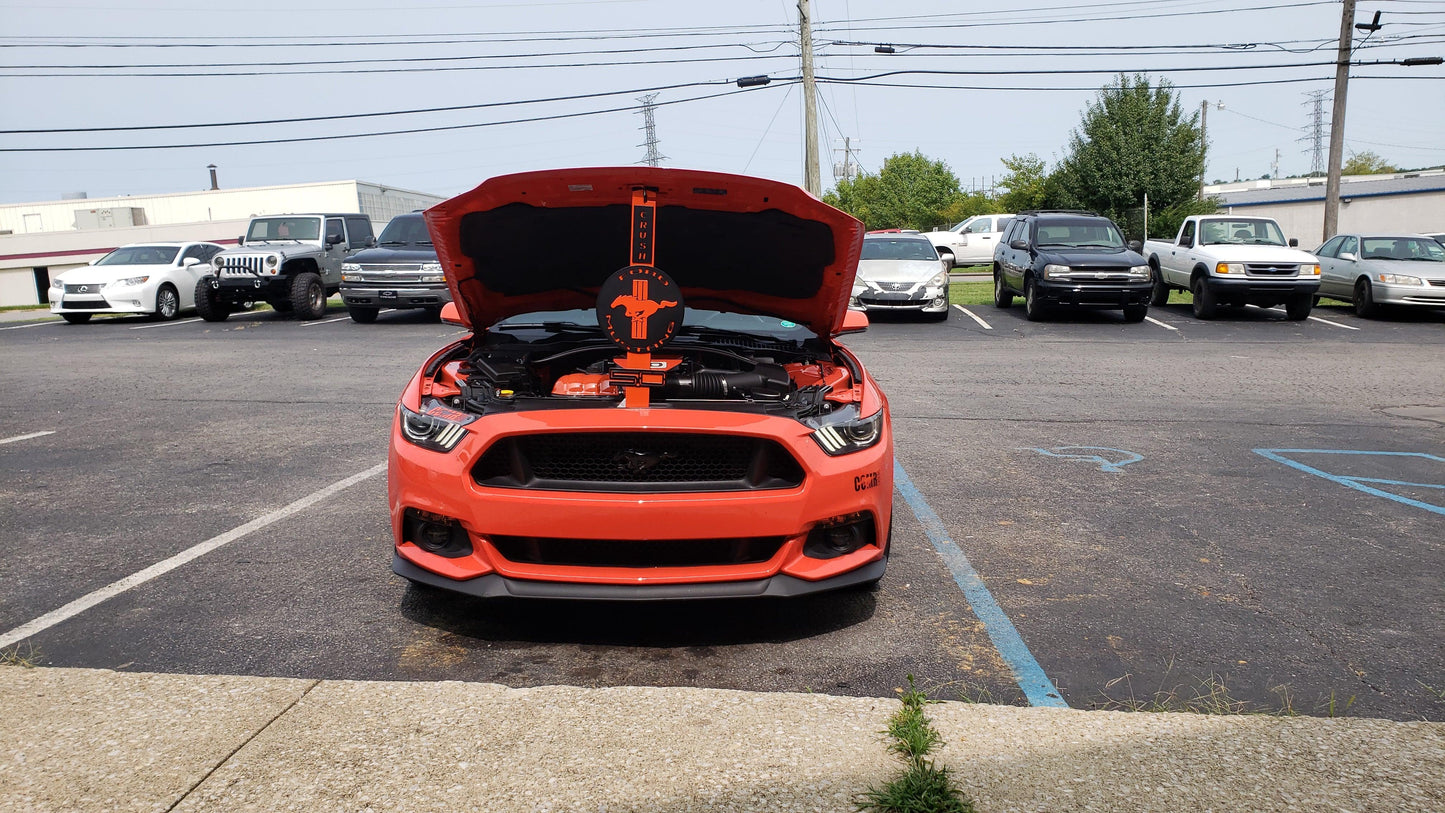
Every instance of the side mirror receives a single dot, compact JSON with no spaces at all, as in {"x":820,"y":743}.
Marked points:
{"x":1294,"y":242}
{"x":241,"y":241}
{"x":371,"y":242}
{"x":334,"y":239}
{"x":1021,"y":245}
{"x":1347,"y":256}
{"x":190,"y":261}
{"x":451,"y":315}
{"x":1136,"y":245}
{"x":853,"y":322}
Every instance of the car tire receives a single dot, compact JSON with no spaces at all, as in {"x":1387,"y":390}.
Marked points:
{"x":1298,"y":309}
{"x":168,"y":303}
{"x":1002,"y":297}
{"x":362,"y":315}
{"x":1033,"y":308}
{"x":209,"y":306}
{"x":308,"y":296}
{"x":1364,"y":300}
{"x":1206,"y":306}
{"x":1159,"y":294}
{"x":76,"y":318}
{"x":1135,"y":313}
{"x":434,"y":313}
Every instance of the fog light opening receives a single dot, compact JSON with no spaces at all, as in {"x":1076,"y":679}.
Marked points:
{"x":435,"y":534}
{"x":840,"y":536}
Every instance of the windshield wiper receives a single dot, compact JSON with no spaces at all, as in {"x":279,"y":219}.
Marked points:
{"x":704,"y":332}
{"x":550,"y":327}
{"x":392,"y":243}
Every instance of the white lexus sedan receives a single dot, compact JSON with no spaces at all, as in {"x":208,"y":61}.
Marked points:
{"x":149,"y":278}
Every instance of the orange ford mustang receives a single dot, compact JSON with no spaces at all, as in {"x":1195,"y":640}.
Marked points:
{"x":652,"y":403}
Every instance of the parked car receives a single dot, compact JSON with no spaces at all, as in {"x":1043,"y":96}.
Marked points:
{"x":1439,"y":238}
{"x":901,"y":271}
{"x":291,"y":261}
{"x":1235,"y":261}
{"x":1071,"y":258}
{"x":1372,"y":271}
{"x":152,"y":278}
{"x":401,"y":272}
{"x":639,"y":419}
{"x":972,"y":241}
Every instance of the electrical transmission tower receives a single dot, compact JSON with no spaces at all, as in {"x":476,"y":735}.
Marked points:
{"x":653,"y":158}
{"x":1316,"y":136}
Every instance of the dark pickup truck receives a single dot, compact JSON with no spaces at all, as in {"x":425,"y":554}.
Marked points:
{"x":401,"y":272}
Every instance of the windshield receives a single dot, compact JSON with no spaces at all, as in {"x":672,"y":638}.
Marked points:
{"x":1402,"y":248}
{"x":140,"y":255}
{"x":753,"y":324}
{"x":1253,"y":231}
{"x":893,"y":248}
{"x":284,"y":228}
{"x":406,"y":230}
{"x":1079,"y":234}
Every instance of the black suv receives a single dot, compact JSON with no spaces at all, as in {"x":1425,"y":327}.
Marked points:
{"x":401,"y":272}
{"x":1070,"y":258}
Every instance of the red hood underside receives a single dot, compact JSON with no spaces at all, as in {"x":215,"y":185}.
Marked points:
{"x":547,"y":240}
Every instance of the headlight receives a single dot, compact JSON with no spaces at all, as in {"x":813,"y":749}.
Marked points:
{"x":127,"y":282}
{"x":1400,"y":279}
{"x":217,"y":261}
{"x":1051,"y":271}
{"x":56,"y":283}
{"x":432,"y":431}
{"x":1140,"y":271}
{"x":1310,"y":270}
{"x":851,"y":434}
{"x":1229,"y":268}
{"x":939,"y":280}
{"x":270,"y":260}
{"x":353,"y":267}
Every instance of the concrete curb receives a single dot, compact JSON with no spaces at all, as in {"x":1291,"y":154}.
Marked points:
{"x":84,"y":739}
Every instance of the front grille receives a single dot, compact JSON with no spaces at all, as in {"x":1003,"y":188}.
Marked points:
{"x":637,"y":462}
{"x":89,"y":288}
{"x":85,"y":304}
{"x":1272,"y":269}
{"x":1439,"y":283}
{"x":534,"y":550}
{"x":242,"y":265}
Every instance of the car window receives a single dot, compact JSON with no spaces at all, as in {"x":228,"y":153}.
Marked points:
{"x":284,"y":228}
{"x":140,"y":255}
{"x":1024,"y":231}
{"x":981,"y":224}
{"x":886,"y":248}
{"x":197,"y":251}
{"x":334,"y":230}
{"x":1186,"y":236}
{"x":1351,"y":246}
{"x":406,"y":230}
{"x":1329,"y":249}
{"x":359,"y":230}
{"x":1254,"y":231}
{"x":1401,"y":248}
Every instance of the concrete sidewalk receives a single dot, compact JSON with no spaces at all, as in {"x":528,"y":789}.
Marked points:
{"x":30,"y":315}
{"x":80,"y":739}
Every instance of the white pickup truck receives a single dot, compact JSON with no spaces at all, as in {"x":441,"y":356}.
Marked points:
{"x":1233,"y":260}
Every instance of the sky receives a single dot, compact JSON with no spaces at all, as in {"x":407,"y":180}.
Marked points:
{"x":968,"y":83}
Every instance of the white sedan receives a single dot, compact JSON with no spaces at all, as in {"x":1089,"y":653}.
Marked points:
{"x":151,"y":278}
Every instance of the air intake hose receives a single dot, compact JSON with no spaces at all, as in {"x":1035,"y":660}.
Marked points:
{"x":765,"y":381}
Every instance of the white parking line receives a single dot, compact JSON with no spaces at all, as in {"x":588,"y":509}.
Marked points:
{"x":18,"y":438}
{"x":166,"y":324}
{"x":969,"y":313}
{"x":34,"y":324}
{"x":325,"y":321}
{"x":1336,"y":324}
{"x":1154,"y":321}
{"x":164,"y":566}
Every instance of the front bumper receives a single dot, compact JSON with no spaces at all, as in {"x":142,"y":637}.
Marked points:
{"x":1253,"y":290}
{"x":924,"y":300}
{"x":1429,"y":295}
{"x":832,"y":487}
{"x":1105,"y":295}
{"x":410,"y":295}
{"x":134,"y":299}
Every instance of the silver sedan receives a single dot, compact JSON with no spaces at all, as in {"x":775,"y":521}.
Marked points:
{"x":1375,"y":270}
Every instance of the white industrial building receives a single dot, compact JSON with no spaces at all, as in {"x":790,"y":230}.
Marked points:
{"x":1408,"y":202}
{"x":38,"y":240}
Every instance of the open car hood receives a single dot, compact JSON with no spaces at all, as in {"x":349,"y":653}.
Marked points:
{"x":548,"y":240}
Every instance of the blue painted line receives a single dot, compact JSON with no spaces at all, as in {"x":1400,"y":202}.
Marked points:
{"x":1395,"y":482}
{"x":1030,"y":677}
{"x":1357,"y":483}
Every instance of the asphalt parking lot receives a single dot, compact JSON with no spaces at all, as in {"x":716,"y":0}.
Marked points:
{"x":1250,"y":503}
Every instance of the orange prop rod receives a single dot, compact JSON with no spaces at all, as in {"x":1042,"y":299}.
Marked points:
{"x":644,"y":237}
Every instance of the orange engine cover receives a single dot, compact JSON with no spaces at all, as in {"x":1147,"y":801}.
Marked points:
{"x":584,"y":384}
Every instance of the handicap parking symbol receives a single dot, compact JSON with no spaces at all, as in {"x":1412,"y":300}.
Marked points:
{"x":1111,"y":460}
{"x":1348,"y":467}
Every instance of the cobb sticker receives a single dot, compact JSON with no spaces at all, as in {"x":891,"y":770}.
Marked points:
{"x":640,"y":308}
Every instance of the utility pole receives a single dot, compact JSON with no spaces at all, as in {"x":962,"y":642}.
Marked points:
{"x":1337,"y":122}
{"x":1204,"y":141}
{"x":812,"y":180}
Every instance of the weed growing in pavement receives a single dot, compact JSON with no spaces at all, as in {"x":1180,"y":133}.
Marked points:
{"x":1209,"y":695}
{"x":25,"y":654}
{"x":1434,"y":692}
{"x":1335,"y":707}
{"x":923,"y":787}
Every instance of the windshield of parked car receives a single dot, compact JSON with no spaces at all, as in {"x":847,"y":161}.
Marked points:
{"x":140,"y":255}
{"x":1078,"y":234}
{"x":406,"y":231}
{"x":898,"y":248}
{"x":1402,"y":248}
{"x":284,"y":228}
{"x":1251,"y":231}
{"x":692,"y":318}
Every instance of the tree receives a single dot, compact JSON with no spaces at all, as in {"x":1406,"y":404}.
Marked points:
{"x":1134,"y":139}
{"x":1367,"y":163}
{"x":911,"y":191}
{"x":1030,"y":186}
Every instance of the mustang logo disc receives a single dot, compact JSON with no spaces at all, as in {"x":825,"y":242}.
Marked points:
{"x":640,"y":307}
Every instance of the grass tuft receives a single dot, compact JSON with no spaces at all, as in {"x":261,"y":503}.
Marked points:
{"x":25,"y":654}
{"x":922,"y":787}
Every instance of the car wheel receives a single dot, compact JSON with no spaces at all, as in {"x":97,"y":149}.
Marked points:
{"x":209,"y":305}
{"x":76,"y":318}
{"x":1135,"y":313}
{"x":1298,"y":308}
{"x":1002,"y":297}
{"x":308,"y":296}
{"x":434,"y":313}
{"x":1315,"y":301}
{"x":362,"y":315}
{"x":1364,"y":300}
{"x":1159,"y":294}
{"x":168,"y":303}
{"x":1033,"y":308}
{"x":1206,"y":306}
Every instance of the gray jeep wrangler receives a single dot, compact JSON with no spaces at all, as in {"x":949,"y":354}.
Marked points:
{"x":292,"y":262}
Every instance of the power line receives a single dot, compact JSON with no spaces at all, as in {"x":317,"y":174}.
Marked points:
{"x":1063,"y":20}
{"x":1095,"y":88}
